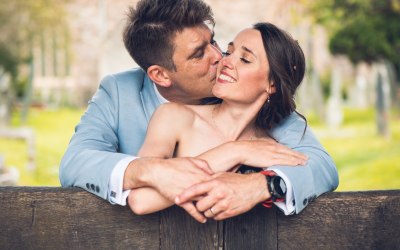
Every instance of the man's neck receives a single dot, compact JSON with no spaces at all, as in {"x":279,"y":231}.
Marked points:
{"x":172,"y":96}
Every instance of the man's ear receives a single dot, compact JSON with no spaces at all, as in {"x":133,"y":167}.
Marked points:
{"x":159,"y":75}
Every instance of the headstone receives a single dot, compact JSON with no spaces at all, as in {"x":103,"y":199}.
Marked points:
{"x":4,"y":98}
{"x":334,"y":112}
{"x":8,"y":176}
{"x":382,"y":104}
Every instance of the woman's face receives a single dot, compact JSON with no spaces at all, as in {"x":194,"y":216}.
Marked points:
{"x":242,"y":76}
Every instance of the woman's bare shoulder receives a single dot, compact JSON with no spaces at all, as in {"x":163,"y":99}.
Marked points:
{"x":174,"y":112}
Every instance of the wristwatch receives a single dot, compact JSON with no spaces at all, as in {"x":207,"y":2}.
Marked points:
{"x":276,"y":187}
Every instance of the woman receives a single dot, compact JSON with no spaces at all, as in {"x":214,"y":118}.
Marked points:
{"x":256,"y":82}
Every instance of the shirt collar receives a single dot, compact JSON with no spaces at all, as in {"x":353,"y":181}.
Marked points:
{"x":160,"y":98}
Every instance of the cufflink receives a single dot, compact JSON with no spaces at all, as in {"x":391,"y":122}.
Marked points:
{"x":113,"y":194}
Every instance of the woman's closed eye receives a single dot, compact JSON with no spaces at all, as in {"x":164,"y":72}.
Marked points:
{"x":244,"y":60}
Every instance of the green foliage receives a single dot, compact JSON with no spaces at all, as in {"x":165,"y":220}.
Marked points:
{"x":364,"y":30}
{"x":22,"y":23}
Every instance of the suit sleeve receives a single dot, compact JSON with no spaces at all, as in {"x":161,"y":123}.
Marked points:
{"x":93,"y":150}
{"x":318,"y":176}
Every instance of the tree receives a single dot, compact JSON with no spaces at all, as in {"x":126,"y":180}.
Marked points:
{"x":22,"y":24}
{"x":364,"y":30}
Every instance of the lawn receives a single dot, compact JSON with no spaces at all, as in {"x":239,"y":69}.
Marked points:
{"x":365,"y":161}
{"x":53,"y":130}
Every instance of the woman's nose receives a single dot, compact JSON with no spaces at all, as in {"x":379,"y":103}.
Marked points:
{"x":226,"y":62}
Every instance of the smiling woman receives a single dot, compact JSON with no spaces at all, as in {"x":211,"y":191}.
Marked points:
{"x":256,"y":81}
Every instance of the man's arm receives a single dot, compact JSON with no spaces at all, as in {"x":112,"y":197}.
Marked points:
{"x":318,"y":176}
{"x":93,"y":149}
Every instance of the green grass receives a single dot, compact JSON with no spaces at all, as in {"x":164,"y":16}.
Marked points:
{"x":365,"y":160}
{"x":53,"y":130}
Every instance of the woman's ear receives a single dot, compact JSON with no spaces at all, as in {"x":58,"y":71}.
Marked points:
{"x":271,"y":88}
{"x":159,"y":76}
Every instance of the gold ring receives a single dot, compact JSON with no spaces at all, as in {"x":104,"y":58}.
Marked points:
{"x":212,"y":211}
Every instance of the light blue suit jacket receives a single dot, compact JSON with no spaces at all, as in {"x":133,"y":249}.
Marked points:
{"x":114,"y":127}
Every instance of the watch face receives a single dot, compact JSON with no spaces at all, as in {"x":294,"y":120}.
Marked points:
{"x":280,"y":186}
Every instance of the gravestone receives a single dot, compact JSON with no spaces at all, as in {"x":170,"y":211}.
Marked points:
{"x":382,"y":105}
{"x":4,"y":97}
{"x":334,"y":112}
{"x":8,"y":176}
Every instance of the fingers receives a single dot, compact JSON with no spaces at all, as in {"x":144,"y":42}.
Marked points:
{"x":192,"y":211}
{"x":207,"y":202}
{"x":202,"y":164}
{"x":194,"y":191}
{"x":211,"y":212}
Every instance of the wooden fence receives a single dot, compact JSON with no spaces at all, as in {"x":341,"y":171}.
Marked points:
{"x":56,"y":218}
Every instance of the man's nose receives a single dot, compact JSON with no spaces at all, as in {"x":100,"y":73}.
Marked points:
{"x":217,"y":53}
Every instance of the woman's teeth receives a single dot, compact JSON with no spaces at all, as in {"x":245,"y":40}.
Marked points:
{"x":226,"y":78}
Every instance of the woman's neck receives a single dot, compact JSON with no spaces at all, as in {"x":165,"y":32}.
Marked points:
{"x":236,"y":121}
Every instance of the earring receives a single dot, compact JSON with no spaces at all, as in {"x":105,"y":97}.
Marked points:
{"x":268,"y":99}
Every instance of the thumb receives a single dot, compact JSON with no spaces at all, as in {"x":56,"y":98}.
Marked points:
{"x":203,"y":165}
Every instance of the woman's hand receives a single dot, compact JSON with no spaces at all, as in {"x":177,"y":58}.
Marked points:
{"x":257,"y":153}
{"x":267,"y":153}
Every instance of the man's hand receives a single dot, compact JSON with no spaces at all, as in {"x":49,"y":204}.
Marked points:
{"x":227,"y":194}
{"x":169,"y":177}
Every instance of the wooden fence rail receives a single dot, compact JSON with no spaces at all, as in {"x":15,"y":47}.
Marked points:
{"x":57,"y":218}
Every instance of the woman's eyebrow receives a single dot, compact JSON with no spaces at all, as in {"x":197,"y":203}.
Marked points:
{"x":244,"y":48}
{"x":249,"y":50}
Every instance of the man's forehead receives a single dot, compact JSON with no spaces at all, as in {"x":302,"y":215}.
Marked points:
{"x":192,"y":37}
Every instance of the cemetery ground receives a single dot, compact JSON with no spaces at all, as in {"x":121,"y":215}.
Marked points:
{"x":365,"y":160}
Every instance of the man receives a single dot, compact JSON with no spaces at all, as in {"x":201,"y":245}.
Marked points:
{"x":178,"y":57}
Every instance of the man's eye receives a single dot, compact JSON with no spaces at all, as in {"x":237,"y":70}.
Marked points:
{"x":226,"y":53}
{"x":213,"y":42}
{"x":199,"y":55}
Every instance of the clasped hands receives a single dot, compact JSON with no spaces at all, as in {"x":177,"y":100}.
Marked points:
{"x":193,"y":185}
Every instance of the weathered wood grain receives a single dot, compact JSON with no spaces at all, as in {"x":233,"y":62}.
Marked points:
{"x":353,"y":220}
{"x":180,"y":231}
{"x":57,"y":218}
{"x":256,"y":229}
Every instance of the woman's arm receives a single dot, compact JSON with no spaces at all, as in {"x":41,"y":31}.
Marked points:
{"x":257,"y":153}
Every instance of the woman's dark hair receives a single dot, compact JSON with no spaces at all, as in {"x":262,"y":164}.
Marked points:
{"x":286,"y":71}
{"x":152,"y":25}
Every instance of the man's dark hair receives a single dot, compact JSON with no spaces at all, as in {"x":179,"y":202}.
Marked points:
{"x":152,"y":25}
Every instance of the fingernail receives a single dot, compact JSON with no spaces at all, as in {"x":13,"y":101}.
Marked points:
{"x":204,"y":221}
{"x":177,"y":200}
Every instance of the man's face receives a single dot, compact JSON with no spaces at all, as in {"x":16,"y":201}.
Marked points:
{"x":196,"y":58}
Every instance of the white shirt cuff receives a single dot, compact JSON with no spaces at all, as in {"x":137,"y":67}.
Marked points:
{"x":115,"y":193}
{"x":286,"y":206}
